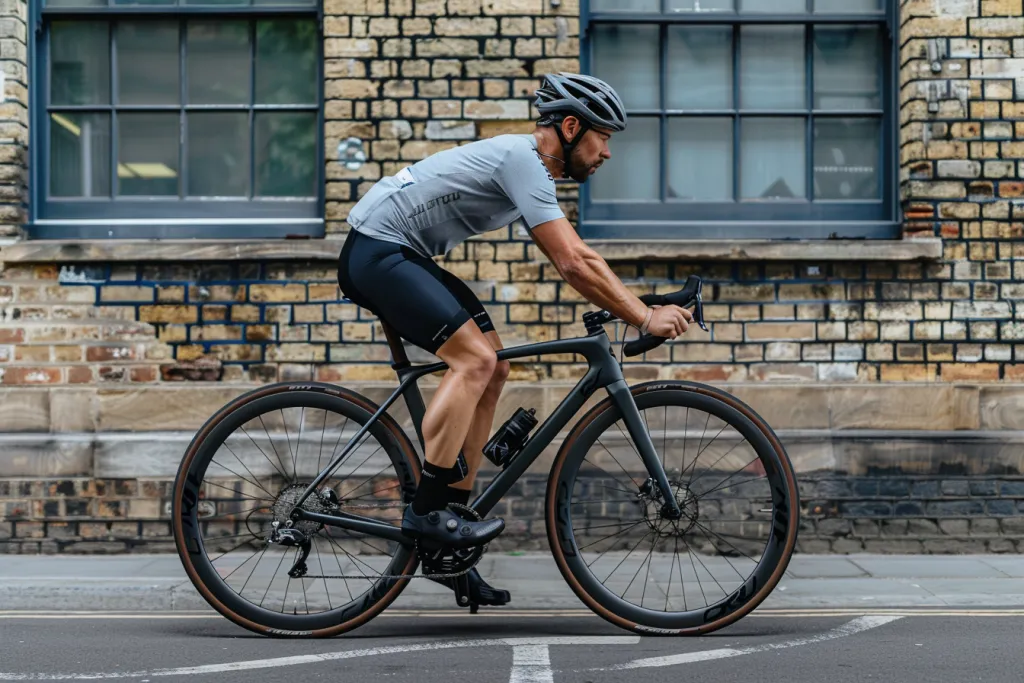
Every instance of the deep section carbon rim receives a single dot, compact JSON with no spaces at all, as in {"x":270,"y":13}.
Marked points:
{"x":735,"y":490}
{"x":248,"y":469}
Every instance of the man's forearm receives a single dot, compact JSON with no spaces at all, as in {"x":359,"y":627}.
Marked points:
{"x":591,"y":277}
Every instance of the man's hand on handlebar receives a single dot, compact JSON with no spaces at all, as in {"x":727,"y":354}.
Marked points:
{"x":669,"y":321}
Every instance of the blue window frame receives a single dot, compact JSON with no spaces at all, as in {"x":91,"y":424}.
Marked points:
{"x":748,"y":119}
{"x":175,"y":118}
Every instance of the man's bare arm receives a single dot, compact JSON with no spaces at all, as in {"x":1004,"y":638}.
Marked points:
{"x":590,"y":275}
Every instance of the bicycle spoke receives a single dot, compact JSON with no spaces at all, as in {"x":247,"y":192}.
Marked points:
{"x":642,"y":538}
{"x":355,"y":560}
{"x":244,"y":431}
{"x":271,"y":583}
{"x":631,"y":479}
{"x":213,"y":483}
{"x":689,"y":483}
{"x":610,"y":475}
{"x":619,"y":533}
{"x":234,"y":549}
{"x":320,"y":562}
{"x":705,"y":531}
{"x":240,"y":476}
{"x":298,"y":442}
{"x":694,"y":556}
{"x":272,"y":445}
{"x":646,"y":559}
{"x":265,"y":548}
{"x":601,"y":526}
{"x":340,"y":570}
{"x":721,"y":485}
{"x":246,"y":468}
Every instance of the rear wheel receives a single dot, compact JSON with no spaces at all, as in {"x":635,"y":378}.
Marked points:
{"x":651,"y":574}
{"x":246,"y":469}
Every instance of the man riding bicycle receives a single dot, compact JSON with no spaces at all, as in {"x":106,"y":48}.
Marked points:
{"x":427,"y":209}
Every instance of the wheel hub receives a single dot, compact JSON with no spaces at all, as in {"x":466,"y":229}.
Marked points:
{"x":658,"y":516}
{"x":286,"y":501}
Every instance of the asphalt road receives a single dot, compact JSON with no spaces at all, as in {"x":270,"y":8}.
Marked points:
{"x":835,"y":646}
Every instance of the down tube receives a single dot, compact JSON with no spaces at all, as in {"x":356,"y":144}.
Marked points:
{"x":544,"y":436}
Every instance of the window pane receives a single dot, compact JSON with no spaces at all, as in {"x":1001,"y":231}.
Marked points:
{"x":284,"y":2}
{"x":847,"y":6}
{"x":701,"y":5}
{"x":79,"y":155}
{"x":627,"y":58}
{"x":144,"y":2}
{"x":846,"y":69}
{"x":148,"y":154}
{"x":625,"y":5}
{"x":148,"y":63}
{"x":846,"y":158}
{"x":700,"y":159}
{"x":76,"y":3}
{"x":633,"y":171}
{"x":774,"y":6}
{"x":772,"y":67}
{"x":79,"y":63}
{"x":286,"y":157}
{"x":215,"y":2}
{"x":219,"y":62}
{"x":772,"y":158}
{"x":218,"y":154}
{"x":286,"y":62}
{"x":699,"y":67}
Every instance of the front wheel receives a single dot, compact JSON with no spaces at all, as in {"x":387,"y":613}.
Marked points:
{"x":647,"y":572}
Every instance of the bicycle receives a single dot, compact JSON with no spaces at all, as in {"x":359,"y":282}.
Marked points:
{"x":316,"y":509}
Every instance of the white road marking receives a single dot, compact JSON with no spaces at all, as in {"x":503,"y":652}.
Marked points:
{"x":529,"y":645}
{"x":847,"y":629}
{"x":531,"y":664}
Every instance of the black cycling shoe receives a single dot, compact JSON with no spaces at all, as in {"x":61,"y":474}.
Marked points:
{"x":480,"y":592}
{"x":445,"y":528}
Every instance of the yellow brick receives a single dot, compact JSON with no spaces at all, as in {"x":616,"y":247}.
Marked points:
{"x":263,"y":293}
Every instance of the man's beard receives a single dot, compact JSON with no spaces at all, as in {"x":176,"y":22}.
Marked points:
{"x":580,"y":172}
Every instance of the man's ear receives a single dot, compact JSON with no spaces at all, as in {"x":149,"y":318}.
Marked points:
{"x":570,"y":127}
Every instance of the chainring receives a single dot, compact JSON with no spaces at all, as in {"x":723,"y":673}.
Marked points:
{"x":451,"y":562}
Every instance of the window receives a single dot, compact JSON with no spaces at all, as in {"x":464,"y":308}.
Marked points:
{"x":172,"y":118}
{"x":748,"y":118}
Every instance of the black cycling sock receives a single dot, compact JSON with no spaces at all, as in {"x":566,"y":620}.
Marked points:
{"x":459,"y":496}
{"x":432,"y":493}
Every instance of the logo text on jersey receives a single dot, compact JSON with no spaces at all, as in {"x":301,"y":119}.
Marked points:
{"x":437,"y":201}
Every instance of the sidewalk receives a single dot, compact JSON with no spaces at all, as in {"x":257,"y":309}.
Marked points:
{"x":158,"y":583}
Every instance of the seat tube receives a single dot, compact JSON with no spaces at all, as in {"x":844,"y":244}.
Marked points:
{"x":623,"y":400}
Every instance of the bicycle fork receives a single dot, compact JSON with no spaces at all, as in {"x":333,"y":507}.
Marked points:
{"x":624,"y":401}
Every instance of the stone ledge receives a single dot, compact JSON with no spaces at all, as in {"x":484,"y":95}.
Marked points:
{"x":769,"y":250}
{"x":99,"y":251}
{"x":919,"y":407}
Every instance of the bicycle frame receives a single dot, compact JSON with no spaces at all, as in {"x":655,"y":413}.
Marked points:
{"x":604,"y":372}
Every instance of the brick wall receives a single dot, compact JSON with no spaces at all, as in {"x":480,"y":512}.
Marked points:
{"x":411,"y":78}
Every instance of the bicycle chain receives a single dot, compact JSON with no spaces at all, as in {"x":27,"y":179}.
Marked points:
{"x":449,"y":575}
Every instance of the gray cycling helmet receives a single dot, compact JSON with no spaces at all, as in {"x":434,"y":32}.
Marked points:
{"x":582,"y":96}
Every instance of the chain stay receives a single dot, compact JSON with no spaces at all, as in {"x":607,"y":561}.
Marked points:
{"x":450,"y":575}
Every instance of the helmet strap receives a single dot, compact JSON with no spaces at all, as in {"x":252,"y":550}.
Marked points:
{"x":569,"y":146}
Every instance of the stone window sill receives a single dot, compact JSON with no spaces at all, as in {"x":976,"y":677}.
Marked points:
{"x":100,"y":251}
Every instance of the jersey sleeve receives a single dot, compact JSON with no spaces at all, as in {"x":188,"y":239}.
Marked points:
{"x":523,"y":177}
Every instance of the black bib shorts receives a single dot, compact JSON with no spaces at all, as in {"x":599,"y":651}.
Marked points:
{"x":423,"y":302}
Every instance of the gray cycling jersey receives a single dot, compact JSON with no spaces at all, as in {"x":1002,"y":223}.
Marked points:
{"x":438,"y":203}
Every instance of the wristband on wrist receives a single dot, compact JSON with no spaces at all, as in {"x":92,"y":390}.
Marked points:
{"x":647,"y":321}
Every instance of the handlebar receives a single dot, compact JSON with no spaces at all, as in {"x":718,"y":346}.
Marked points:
{"x":685,"y":297}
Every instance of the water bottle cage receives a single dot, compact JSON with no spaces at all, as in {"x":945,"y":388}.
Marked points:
{"x":510,"y":439}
